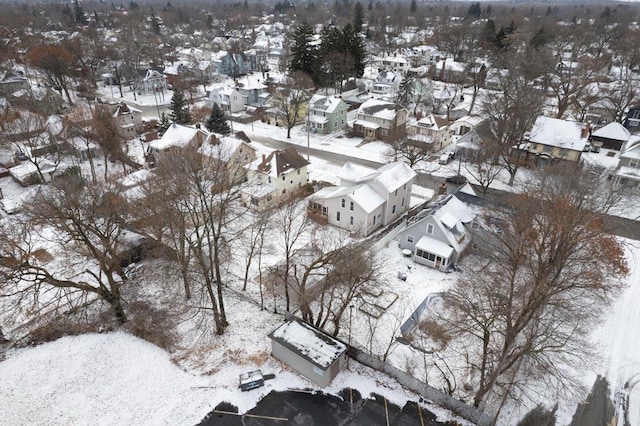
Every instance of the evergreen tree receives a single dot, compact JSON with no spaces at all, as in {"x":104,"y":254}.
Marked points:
{"x":356,"y":47}
{"x":358,"y":17}
{"x":179,"y":108}
{"x":414,"y":7}
{"x":216,"y":122}
{"x":78,"y":13}
{"x":304,"y":56}
{"x":164,"y":123}
{"x":475,"y":10}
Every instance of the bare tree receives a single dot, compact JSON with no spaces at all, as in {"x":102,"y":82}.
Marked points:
{"x":415,"y":154}
{"x":88,"y":222}
{"x":530,"y":304}
{"x":290,"y":99}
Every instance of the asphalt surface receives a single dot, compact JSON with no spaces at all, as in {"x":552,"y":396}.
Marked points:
{"x":318,"y":409}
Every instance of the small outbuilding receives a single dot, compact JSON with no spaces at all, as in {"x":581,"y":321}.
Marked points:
{"x":308,"y":350}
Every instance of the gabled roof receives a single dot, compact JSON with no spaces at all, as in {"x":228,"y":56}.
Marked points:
{"x":179,"y":136}
{"x":123,"y":109}
{"x":559,"y":133}
{"x":393,"y":175}
{"x":379,"y":108}
{"x":353,"y":172}
{"x":325,"y":103}
{"x":615,"y":131}
{"x":222,"y":148}
{"x":281,"y":161}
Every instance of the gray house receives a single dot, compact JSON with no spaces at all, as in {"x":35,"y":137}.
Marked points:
{"x":310,"y":351}
{"x":438,"y":235}
{"x":627,"y":173}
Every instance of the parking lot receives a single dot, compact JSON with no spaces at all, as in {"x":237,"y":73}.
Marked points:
{"x":309,"y":409}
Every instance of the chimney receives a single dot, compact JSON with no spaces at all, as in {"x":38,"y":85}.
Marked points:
{"x":586,"y":131}
{"x":264,"y":158}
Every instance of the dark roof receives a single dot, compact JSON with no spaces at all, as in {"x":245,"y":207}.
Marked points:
{"x":285,"y":159}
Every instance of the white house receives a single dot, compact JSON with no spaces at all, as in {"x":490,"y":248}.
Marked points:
{"x":366,"y":199}
{"x":387,"y":82}
{"x":627,"y":173}
{"x":431,"y":130}
{"x":176,"y":136}
{"x":229,"y":99}
{"x":273,"y":177}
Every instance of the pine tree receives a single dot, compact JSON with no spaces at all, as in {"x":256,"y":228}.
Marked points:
{"x":78,"y":13}
{"x":179,"y":108}
{"x":304,"y":56}
{"x":414,"y":7}
{"x":216,"y":122}
{"x":164,"y":123}
{"x":358,"y":17}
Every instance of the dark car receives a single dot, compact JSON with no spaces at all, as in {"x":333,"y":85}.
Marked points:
{"x":251,"y":380}
{"x":456,"y":179}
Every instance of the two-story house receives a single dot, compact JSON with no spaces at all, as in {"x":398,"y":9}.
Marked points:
{"x":177,"y":136}
{"x":379,"y":119}
{"x":128,"y":119}
{"x":632,"y":120}
{"x":366,"y":199}
{"x":438,"y":235}
{"x":553,"y":140}
{"x":274,"y":177}
{"x":627,"y":173}
{"x":229,"y":99}
{"x":431,"y":130}
{"x":326,"y":114}
{"x":387,"y":82}
{"x":612,"y":136}
{"x":232,"y":154}
{"x":233,"y":64}
{"x":150,"y":81}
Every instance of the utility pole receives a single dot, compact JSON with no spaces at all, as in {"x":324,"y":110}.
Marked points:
{"x":349,"y":341}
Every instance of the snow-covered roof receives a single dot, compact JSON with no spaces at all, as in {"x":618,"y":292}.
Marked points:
{"x":615,"y":131}
{"x":559,"y":133}
{"x":223,"y":148}
{"x":314,"y":345}
{"x":324,"y":103}
{"x":394,"y":175}
{"x":378,"y":108}
{"x":367,"y":198}
{"x":434,"y":246}
{"x":177,"y":135}
{"x":352,"y":172}
{"x":136,"y":178}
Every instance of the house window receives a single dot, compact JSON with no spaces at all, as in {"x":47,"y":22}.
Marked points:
{"x":402,"y":202}
{"x":634,"y":163}
{"x":405,"y":186}
{"x":393,"y":209}
{"x":269,"y":179}
{"x":374,"y":220}
{"x":283,"y":178}
{"x":343,"y":202}
{"x":284,"y":191}
{"x":268,"y":197}
{"x":335,"y":124}
{"x":338,"y":216}
{"x":410,"y":238}
{"x":429,"y":228}
{"x":351,"y":205}
{"x":396,"y":193}
{"x":351,"y":220}
{"x":298,"y":171}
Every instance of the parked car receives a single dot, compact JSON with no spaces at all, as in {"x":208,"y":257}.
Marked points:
{"x":446,"y":157}
{"x":595,"y":148}
{"x":456,"y":179}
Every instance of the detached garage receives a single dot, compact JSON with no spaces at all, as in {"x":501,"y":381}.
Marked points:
{"x":311,"y":352}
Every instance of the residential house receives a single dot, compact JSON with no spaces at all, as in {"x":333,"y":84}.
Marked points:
{"x":11,"y":82}
{"x":464,"y":124}
{"x":34,"y":171}
{"x":612,"y":136}
{"x":394,"y":64}
{"x":273,"y":177}
{"x":229,"y":99}
{"x":310,"y":351}
{"x":431,"y":130}
{"x":233,"y":152}
{"x":379,"y":119}
{"x":128,"y":119}
{"x":627,"y":173}
{"x":632,"y":121}
{"x":449,"y":71}
{"x":366,"y":199}
{"x":150,"y":81}
{"x":177,"y":136}
{"x":387,"y":82}
{"x":438,"y":236}
{"x":233,"y":64}
{"x":327,"y":114}
{"x":253,"y":90}
{"x":553,"y":139}
{"x":39,"y":98}
{"x":470,"y":145}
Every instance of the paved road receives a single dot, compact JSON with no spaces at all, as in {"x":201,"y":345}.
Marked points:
{"x":318,"y":409}
{"x":619,"y":226}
